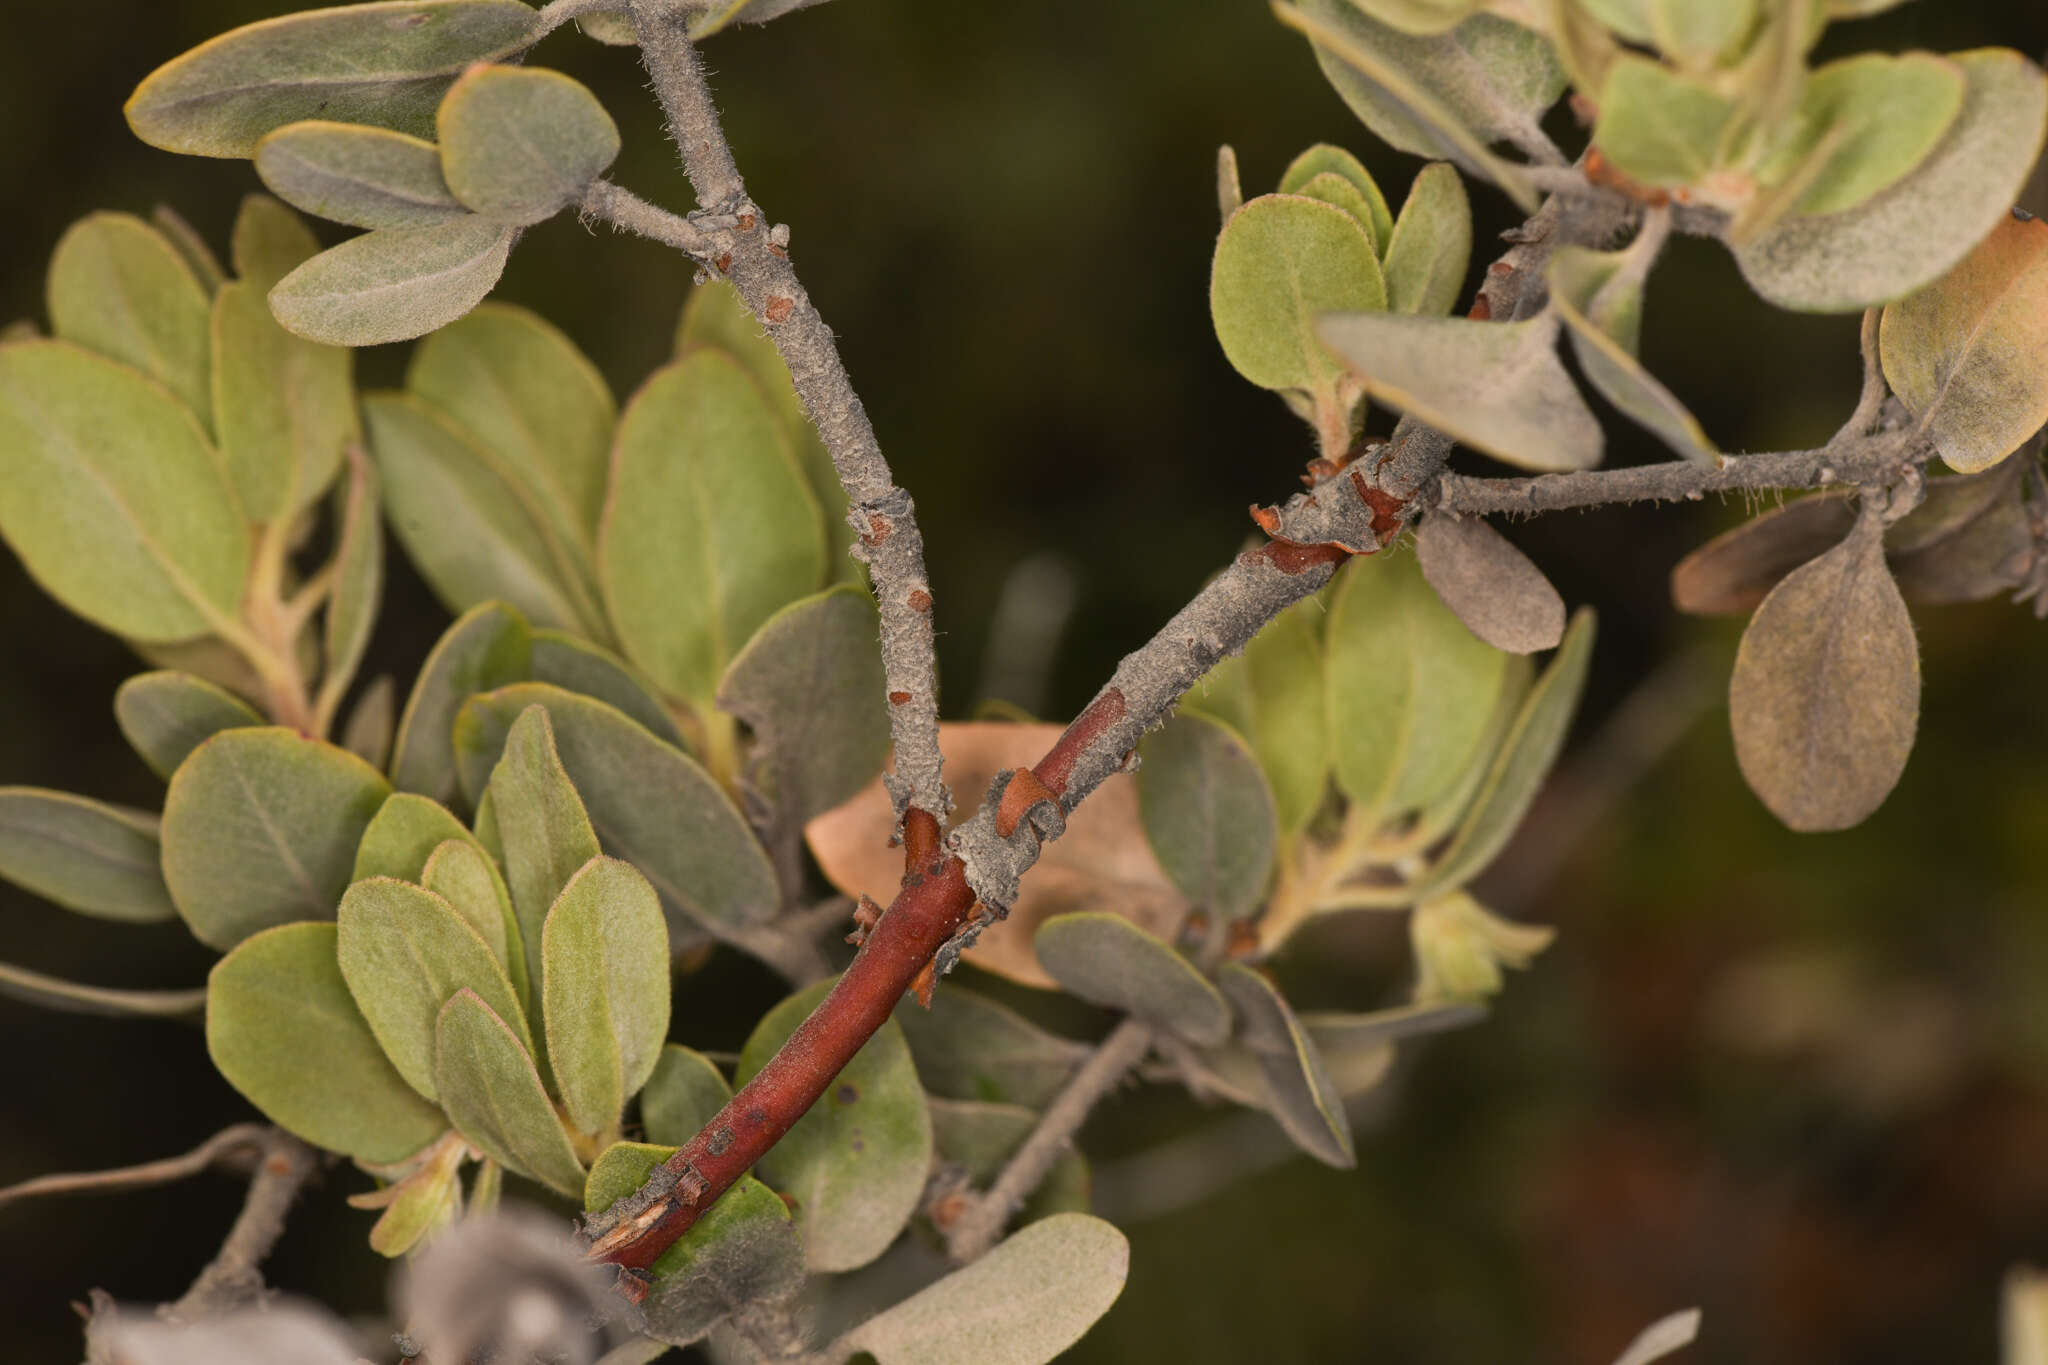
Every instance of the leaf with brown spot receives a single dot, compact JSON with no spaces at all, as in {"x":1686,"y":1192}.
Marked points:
{"x":1826,"y":690}
{"x":1102,"y":863}
{"x":1500,"y":595}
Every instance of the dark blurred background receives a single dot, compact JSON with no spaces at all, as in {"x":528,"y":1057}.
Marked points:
{"x":1800,"y":1081}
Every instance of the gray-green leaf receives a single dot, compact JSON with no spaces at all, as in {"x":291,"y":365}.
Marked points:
{"x":112,"y":497}
{"x":493,"y":1096}
{"x":285,"y":407}
{"x":261,"y":827}
{"x":358,"y":579}
{"x":969,"y":1047}
{"x":461,"y":873}
{"x":1208,"y":814}
{"x":1431,"y":245}
{"x":84,"y":855}
{"x":542,"y":826}
{"x":384,"y":64}
{"x":520,"y":143}
{"x":576,"y":665}
{"x":393,"y":284}
{"x":283,"y":1029}
{"x":269,"y":241}
{"x":1327,"y":159}
{"x":606,"y":986}
{"x":1281,"y":261}
{"x":118,"y":287}
{"x":489,"y":646}
{"x":165,"y":715}
{"x":365,"y":177}
{"x":1500,"y":595}
{"x":856,"y":1162}
{"x":1108,"y":961}
{"x":1299,"y":1090}
{"x":682,"y":1095}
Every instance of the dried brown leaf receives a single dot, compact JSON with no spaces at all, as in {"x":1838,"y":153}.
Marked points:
{"x":1826,"y":690}
{"x":1500,"y":595}
{"x":1102,"y":863}
{"x":1737,"y":569}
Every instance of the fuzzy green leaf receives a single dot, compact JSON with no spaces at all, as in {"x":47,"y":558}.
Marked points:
{"x":118,"y":287}
{"x":402,"y":836}
{"x":716,"y":316}
{"x":283,"y":1029}
{"x":489,"y":646}
{"x":639,"y":792}
{"x":493,"y":1096}
{"x":1281,"y":261}
{"x":384,"y":64}
{"x":1272,"y":694}
{"x":393,"y":284}
{"x":1499,"y":594}
{"x":1882,"y":115}
{"x":1208,"y":814}
{"x":1333,"y":189}
{"x":474,"y":531}
{"x":285,"y":407}
{"x":856,"y":1163}
{"x":1326,"y":159}
{"x":1109,"y":961}
{"x":619,"y":1170}
{"x":1918,"y":229}
{"x":1299,"y":1090}
{"x":606,"y":987}
{"x":685,"y":1092}
{"x":404,"y":952}
{"x":261,"y":827}
{"x":1520,"y":766}
{"x":1660,"y":126}
{"x":704,"y":492}
{"x":1431,"y":244}
{"x":1021,"y":1304}
{"x":809,"y":685}
{"x":112,"y":497}
{"x":84,"y":855}
{"x":519,"y":144}
{"x":1410,"y":689}
{"x":1968,"y":355}
{"x":969,"y":1047}
{"x":576,"y":665}
{"x":461,"y":873}
{"x":365,"y":177}
{"x":742,"y":1251}
{"x":165,"y":715}
{"x":1825,"y":694}
{"x":1497,"y":386}
{"x":269,"y":241}
{"x":542,"y":826}
{"x":1600,"y":297}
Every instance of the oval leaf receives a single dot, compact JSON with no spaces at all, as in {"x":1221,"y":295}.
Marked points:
{"x":404,"y":952}
{"x":809,"y":685}
{"x":705,"y":492}
{"x":1968,"y":355}
{"x":261,"y":827}
{"x":365,"y":177}
{"x":578,"y":666}
{"x":606,"y":987}
{"x":1111,"y":962}
{"x":640,"y":792}
{"x":461,"y":873}
{"x":685,"y":1092}
{"x":117,"y":287}
{"x":1659,"y":126}
{"x":393,"y":284}
{"x":165,"y":715}
{"x":384,"y":64}
{"x":1208,"y":815}
{"x":1881,"y":115}
{"x":1491,"y":586}
{"x":402,"y":836}
{"x":270,"y":242}
{"x":283,"y":1029}
{"x":1431,"y":245}
{"x":84,"y":855}
{"x":520,"y":144}
{"x":1826,"y":690}
{"x":1029,"y":1299}
{"x":856,"y":1162}
{"x":1282,"y":260}
{"x":488,"y":647}
{"x":1325,"y":159}
{"x":542,"y":828}
{"x":1299,"y":1091}
{"x":285,"y":407}
{"x":112,"y":497}
{"x":1915,"y":231}
{"x":1272,"y":695}
{"x":493,"y":1096}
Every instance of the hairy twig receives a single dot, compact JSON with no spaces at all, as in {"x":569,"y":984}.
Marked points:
{"x":234,"y":1277}
{"x":977,"y":1227}
{"x":1869,"y":403}
{"x":223,"y":1146}
{"x":754,"y":256}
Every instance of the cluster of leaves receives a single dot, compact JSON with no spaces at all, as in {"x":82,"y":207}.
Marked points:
{"x":1837,"y":188}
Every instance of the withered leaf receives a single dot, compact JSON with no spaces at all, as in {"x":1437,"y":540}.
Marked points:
{"x":1500,"y":595}
{"x":1826,"y":690}
{"x":1103,"y":862}
{"x":1735,"y":570}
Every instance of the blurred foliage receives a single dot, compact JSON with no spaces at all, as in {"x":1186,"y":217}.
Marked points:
{"x":1802,"y":1081}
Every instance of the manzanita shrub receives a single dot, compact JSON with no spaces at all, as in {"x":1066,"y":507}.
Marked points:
{"x":689,"y":627}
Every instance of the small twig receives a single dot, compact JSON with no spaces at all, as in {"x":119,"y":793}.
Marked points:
{"x":754,"y":256}
{"x":628,"y":212}
{"x":556,"y":13}
{"x":234,"y":1278}
{"x":1870,"y":403}
{"x":228,"y":1141}
{"x":977,"y":1227}
{"x":1868,"y":459}
{"x":55,"y":993}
